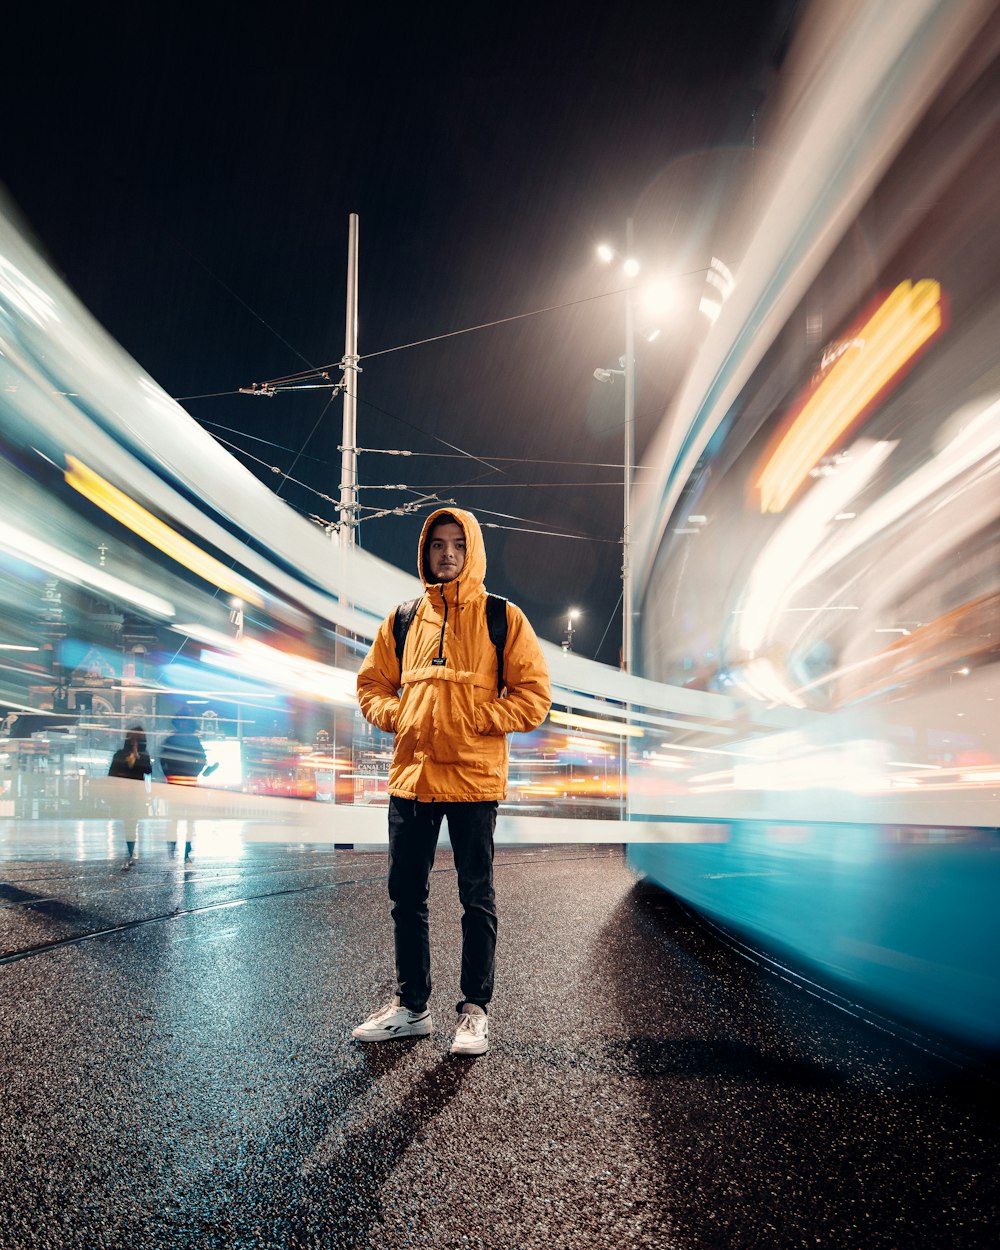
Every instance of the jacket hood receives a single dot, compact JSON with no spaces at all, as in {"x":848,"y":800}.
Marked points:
{"x":473,"y":574}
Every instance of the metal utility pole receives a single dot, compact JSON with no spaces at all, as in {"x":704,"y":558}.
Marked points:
{"x":629,"y":367}
{"x":349,"y":455}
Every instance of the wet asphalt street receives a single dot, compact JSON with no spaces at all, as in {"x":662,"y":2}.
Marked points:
{"x":185,"y":1078}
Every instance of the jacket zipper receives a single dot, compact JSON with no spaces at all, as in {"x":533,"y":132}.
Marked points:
{"x":444,"y":622}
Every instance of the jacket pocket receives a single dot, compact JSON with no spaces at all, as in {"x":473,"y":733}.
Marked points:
{"x":483,"y":725}
{"x":407,"y":725}
{"x":452,"y":736}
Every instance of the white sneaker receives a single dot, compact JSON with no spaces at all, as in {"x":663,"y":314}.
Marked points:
{"x":393,"y":1021}
{"x":471,"y":1034}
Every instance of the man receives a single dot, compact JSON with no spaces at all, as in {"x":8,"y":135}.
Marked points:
{"x":182,"y":757}
{"x":183,"y":760}
{"x":131,"y":761}
{"x":449,"y":759}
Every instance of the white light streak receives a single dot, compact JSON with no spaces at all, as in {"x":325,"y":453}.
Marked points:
{"x":42,"y":554}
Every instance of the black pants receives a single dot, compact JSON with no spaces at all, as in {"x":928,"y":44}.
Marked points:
{"x":413,"y":835}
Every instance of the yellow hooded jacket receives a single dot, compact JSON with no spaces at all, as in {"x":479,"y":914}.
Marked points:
{"x":450,"y":723}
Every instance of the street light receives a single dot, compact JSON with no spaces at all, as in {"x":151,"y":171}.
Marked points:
{"x":630,"y":267}
{"x":567,"y":642}
{"x":658,"y":297}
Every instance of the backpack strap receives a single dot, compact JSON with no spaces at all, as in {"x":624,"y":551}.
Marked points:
{"x":402,"y":619}
{"x":496,"y":623}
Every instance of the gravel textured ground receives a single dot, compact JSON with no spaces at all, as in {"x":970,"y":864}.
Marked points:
{"x":183,"y":1077}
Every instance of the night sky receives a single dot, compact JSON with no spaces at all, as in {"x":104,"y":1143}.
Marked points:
{"x":191,"y":177}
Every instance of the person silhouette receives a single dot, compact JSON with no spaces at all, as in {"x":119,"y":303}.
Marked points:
{"x":182,"y":756}
{"x":131,"y":761}
{"x":183,"y":760}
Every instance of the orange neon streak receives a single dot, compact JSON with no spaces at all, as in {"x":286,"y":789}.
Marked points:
{"x":901,"y":325}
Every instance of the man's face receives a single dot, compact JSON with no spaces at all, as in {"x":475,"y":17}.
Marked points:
{"x":446,"y":551}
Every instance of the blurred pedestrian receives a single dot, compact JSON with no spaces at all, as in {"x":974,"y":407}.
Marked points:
{"x":442,"y":699}
{"x":182,"y":756}
{"x":131,"y":762}
{"x":183,"y":760}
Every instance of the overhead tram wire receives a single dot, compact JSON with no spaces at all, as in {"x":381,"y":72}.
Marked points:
{"x":436,"y":501}
{"x":457,"y":453}
{"x":183,"y":399}
{"x":540,"y":527}
{"x":612,"y":617}
{"x":239,"y":298}
{"x":407,"y":509}
{"x":270,"y":389}
{"x":431,"y":500}
{"x":309,"y":436}
{"x":300,"y":381}
{"x":303,"y":374}
{"x":253,"y":313}
{"x":443,"y":455}
{"x":444,"y":442}
{"x":328,"y":384}
{"x":275,"y":469}
{"x":514,"y":485}
{"x":439,"y":455}
{"x":520,"y":529}
{"x":286,"y":381}
{"x":403,"y":486}
{"x":268,"y":442}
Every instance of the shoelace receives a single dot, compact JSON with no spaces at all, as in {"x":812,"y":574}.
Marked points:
{"x":468,"y":1023}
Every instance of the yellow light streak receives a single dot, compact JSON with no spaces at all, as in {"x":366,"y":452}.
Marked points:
{"x":617,"y":727}
{"x":901,"y":325}
{"x":585,"y":744}
{"x":133,"y":515}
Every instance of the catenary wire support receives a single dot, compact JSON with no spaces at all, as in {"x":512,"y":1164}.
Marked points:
{"x":270,"y":389}
{"x":349,"y":368}
{"x":414,"y":505}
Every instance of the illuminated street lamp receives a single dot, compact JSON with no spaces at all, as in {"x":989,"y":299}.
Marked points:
{"x":656,"y":298}
{"x":630,"y":267}
{"x":567,"y":642}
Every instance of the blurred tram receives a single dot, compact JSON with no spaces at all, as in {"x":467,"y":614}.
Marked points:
{"x":823,"y":535}
{"x":809,"y":751}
